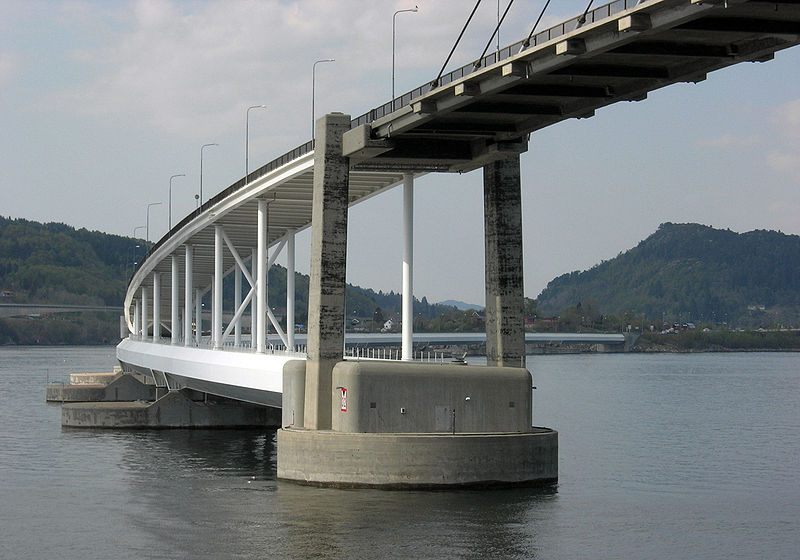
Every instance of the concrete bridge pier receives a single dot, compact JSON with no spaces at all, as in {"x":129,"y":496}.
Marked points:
{"x":328,"y":266}
{"x":505,"y":329}
{"x":400,"y":424}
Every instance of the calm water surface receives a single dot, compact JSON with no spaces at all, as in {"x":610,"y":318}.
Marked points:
{"x":661,"y":456}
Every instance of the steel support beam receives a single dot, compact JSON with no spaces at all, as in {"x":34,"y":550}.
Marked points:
{"x":261,"y":278}
{"x":198,"y":311}
{"x":216,"y":305}
{"x":290,"y":271}
{"x":187,"y":295}
{"x":144,"y":312}
{"x":156,"y":306}
{"x":174,"y":304}
{"x":408,"y":267}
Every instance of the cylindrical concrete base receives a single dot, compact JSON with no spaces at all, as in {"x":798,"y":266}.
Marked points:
{"x":327,"y":458}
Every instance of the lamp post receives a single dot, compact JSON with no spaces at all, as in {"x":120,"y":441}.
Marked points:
{"x":147,"y":227}
{"x":414,"y":9}
{"x":313,"y":84}
{"x":247,"y":141}
{"x":170,"y":197}
{"x":203,"y":147}
{"x":137,"y":228}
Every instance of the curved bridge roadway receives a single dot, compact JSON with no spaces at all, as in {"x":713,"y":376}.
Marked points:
{"x":473,"y":117}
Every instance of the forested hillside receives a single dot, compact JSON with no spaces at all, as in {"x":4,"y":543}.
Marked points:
{"x":692,"y":272}
{"x":58,"y":264}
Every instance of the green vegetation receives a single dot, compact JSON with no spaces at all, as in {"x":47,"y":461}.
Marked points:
{"x":687,"y":273}
{"x":721,"y":340}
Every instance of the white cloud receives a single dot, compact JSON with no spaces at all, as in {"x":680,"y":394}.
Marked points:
{"x":727,"y":141}
{"x":785,"y":157}
{"x":9,"y":66}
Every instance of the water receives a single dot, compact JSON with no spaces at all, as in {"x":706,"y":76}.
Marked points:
{"x":661,"y":456}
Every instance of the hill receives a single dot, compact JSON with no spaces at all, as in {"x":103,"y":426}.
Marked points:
{"x":57,"y":263}
{"x":691,"y":272}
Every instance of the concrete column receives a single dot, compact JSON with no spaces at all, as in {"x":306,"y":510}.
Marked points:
{"x":261,"y":282}
{"x":198,"y":311}
{"x":216,"y":306}
{"x":505,"y":334}
{"x":156,"y":306}
{"x":137,"y":313}
{"x":237,"y":301}
{"x":408,"y":267}
{"x":144,"y":313}
{"x":174,"y":321}
{"x":290,"y":271}
{"x":187,"y":296}
{"x":328,"y":267}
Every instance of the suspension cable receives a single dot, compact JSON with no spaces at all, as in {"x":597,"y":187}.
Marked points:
{"x":435,"y":82}
{"x":496,"y":30}
{"x":582,"y":19}
{"x":527,"y":42}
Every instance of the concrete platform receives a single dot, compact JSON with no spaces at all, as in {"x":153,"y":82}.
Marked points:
{"x":173,"y":410}
{"x":421,"y":461}
{"x":120,"y":387}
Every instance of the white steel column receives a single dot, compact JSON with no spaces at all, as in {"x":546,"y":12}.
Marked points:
{"x":156,"y":306}
{"x":253,"y":275}
{"x":187,"y":296}
{"x":237,"y":301}
{"x":290,"y":289}
{"x":144,"y":313}
{"x":216,"y":306}
{"x":198,"y":311}
{"x":174,"y":321}
{"x":261,"y":281}
{"x":408,"y":267}
{"x":137,"y":313}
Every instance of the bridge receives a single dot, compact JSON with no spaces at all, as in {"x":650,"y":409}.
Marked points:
{"x":27,"y":309}
{"x":477,"y":116}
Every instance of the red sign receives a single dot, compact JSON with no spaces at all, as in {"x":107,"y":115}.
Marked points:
{"x":344,"y":399}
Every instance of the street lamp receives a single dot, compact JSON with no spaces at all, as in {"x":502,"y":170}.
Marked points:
{"x":170,"y":197}
{"x":136,"y":229}
{"x":203,"y":147}
{"x":247,"y":142}
{"x":313,"y":80}
{"x":414,"y":9}
{"x":147,"y":227}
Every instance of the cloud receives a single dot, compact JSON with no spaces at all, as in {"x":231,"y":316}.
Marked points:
{"x":785,"y":157}
{"x":9,"y":66}
{"x":189,"y":69}
{"x":727,"y":141}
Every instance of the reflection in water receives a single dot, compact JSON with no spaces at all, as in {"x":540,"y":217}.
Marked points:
{"x":328,"y":523}
{"x":189,"y":482}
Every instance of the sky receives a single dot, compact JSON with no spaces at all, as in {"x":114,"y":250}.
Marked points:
{"x":102,"y":101}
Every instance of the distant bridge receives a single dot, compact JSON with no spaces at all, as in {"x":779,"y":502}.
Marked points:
{"x":27,"y":309}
